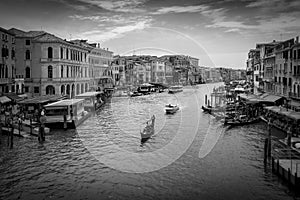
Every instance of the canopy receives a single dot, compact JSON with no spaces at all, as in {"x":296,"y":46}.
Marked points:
{"x":4,"y":99}
{"x":272,"y":98}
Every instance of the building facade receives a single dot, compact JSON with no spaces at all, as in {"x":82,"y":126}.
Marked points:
{"x":7,"y":63}
{"x":50,"y":64}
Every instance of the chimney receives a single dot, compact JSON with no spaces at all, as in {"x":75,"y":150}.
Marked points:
{"x":98,"y":45}
{"x":297,"y":39}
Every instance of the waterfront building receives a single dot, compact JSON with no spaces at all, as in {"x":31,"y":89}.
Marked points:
{"x":283,"y":66}
{"x":50,"y":64}
{"x":294,"y":94}
{"x":7,"y":64}
{"x":158,"y":71}
{"x":252,"y":62}
{"x":99,"y":60}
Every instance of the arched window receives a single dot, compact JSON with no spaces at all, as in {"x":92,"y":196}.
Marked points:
{"x":27,"y":72}
{"x":61,"y":53}
{"x":82,"y":88}
{"x":6,"y":72}
{"x":68,"y":89}
{"x":62,"y":90}
{"x":50,"y":52}
{"x":50,"y":71}
{"x":77,"y":89}
{"x":62,"y":71}
{"x":27,"y":55}
{"x":50,"y":89}
{"x":67,"y":54}
{"x":86,"y":87}
{"x":67,"y":71}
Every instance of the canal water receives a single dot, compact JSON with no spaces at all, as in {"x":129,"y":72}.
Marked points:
{"x":191,"y":156}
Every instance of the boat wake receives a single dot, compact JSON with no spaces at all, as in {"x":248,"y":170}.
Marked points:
{"x":211,"y":138}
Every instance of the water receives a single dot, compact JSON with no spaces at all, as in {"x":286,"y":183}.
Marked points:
{"x":192,"y":156}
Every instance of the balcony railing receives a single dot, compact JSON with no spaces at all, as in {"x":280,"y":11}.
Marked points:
{"x":294,"y":95}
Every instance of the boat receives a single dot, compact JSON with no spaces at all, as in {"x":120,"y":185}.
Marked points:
{"x":241,"y":121}
{"x":171,"y":109}
{"x":92,"y":100}
{"x":145,"y":88}
{"x":65,"y":114}
{"x":148,"y":131}
{"x":207,"y":109}
{"x":175,"y":89}
{"x":136,"y":94}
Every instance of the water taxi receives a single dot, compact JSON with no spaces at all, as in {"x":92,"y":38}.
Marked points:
{"x":175,"y":89}
{"x":171,"y":109}
{"x":68,"y":113}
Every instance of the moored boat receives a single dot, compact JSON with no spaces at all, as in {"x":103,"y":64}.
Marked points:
{"x":171,"y":109}
{"x":240,"y":122}
{"x":92,"y":100}
{"x":148,"y":131}
{"x":67,"y":113}
{"x":175,"y":89}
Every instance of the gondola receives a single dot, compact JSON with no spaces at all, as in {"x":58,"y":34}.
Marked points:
{"x":148,"y":131}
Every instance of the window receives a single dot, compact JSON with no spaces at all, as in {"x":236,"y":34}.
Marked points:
{"x":61,"y":53}
{"x":50,"y":52}
{"x":256,"y":78}
{"x":36,"y":89}
{"x":26,"y":88}
{"x":13,"y":53}
{"x":13,"y":71}
{"x":6,"y":72}
{"x":67,"y":54}
{"x":27,"y":72}
{"x":50,"y":71}
{"x":27,"y":42}
{"x":27,"y":55}
{"x":62,"y":71}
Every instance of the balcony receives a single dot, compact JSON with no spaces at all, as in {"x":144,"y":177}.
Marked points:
{"x":5,"y":80}
{"x":294,"y":95}
{"x":50,"y":60}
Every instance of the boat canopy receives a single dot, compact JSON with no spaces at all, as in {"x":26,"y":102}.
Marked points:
{"x":283,"y":111}
{"x":89,"y":94}
{"x":66,"y":102}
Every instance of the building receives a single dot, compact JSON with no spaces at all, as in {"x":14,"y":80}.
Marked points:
{"x":50,"y":64}
{"x":158,"y":71}
{"x":7,"y":64}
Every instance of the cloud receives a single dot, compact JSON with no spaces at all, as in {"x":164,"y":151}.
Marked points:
{"x":180,"y":9}
{"x":114,"y":32}
{"x":111,"y":19}
{"x":132,"y":6}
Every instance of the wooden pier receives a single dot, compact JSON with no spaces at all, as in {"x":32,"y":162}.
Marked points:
{"x":288,"y":169}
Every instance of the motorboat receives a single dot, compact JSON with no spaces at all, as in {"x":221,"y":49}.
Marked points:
{"x":136,"y":94}
{"x":148,"y":131}
{"x":171,"y":109}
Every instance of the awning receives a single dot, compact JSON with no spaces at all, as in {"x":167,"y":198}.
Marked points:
{"x":14,"y":97}
{"x":4,"y":99}
{"x":272,"y":98}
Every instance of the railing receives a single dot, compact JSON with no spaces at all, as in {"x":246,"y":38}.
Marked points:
{"x":5,"y":80}
{"x":294,"y":95}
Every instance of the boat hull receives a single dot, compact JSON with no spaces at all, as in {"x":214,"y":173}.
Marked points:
{"x":171,"y":110}
{"x":241,"y":123}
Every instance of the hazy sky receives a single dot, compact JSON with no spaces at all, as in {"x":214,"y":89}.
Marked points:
{"x":219,"y":33}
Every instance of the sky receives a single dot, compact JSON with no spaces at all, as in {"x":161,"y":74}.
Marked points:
{"x":218,"y":33}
